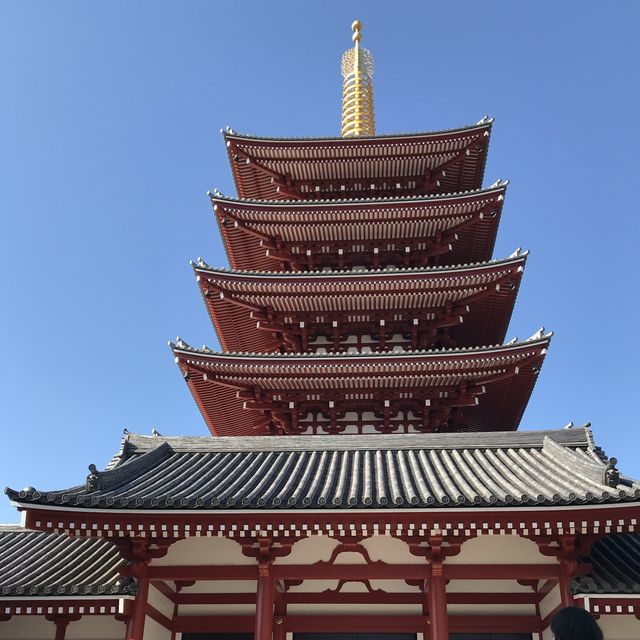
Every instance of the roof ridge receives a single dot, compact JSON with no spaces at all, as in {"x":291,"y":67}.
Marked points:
{"x":517,"y":255}
{"x":539,"y":337}
{"x":480,"y":439}
{"x":485,"y":121}
{"x":496,"y":186}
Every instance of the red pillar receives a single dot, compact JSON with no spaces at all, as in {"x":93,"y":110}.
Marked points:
{"x":566,"y":597}
{"x":135,"y":625}
{"x":279,"y":628}
{"x":264,"y":602}
{"x":61,"y":628}
{"x":438,"y":605}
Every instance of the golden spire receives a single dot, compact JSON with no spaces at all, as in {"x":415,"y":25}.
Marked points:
{"x":357,"y":90}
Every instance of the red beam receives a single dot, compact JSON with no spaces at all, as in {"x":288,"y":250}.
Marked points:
{"x":358,"y":598}
{"x":164,"y":589}
{"x":204,"y":572}
{"x":501,"y":571}
{"x":372,"y":571}
{"x":361,"y":623}
{"x":159,"y":617}
{"x":494,"y":624}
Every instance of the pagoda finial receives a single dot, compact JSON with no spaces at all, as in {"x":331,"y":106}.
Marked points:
{"x":357,"y":90}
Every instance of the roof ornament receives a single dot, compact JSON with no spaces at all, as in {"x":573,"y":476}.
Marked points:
{"x":611,"y":474}
{"x":569,"y":425}
{"x":128,"y":585}
{"x":93,"y":479}
{"x":357,"y":89}
{"x":155,"y":432}
{"x":539,"y":334}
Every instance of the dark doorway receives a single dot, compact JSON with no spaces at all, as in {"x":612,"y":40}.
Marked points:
{"x":217,"y":636}
{"x":490,"y":636}
{"x":354,"y":636}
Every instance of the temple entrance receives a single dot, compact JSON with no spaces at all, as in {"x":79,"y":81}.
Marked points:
{"x":354,"y":636}
{"x":359,"y":636}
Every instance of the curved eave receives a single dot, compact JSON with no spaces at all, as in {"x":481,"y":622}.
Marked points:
{"x":512,"y":471}
{"x":246,"y":225}
{"x":483,"y":124}
{"x":276,"y":169}
{"x":540,"y":340}
{"x":229,"y":297}
{"x":505,"y":374}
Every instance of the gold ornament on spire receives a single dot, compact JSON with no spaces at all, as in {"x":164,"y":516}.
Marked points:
{"x":357,"y":90}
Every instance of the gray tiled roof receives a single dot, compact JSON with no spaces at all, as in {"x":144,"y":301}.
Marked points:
{"x":33,"y":563}
{"x":368,"y":472}
{"x":616,"y":566}
{"x":485,"y":120}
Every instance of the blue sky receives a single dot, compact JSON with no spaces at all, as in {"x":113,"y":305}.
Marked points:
{"x":109,"y":140}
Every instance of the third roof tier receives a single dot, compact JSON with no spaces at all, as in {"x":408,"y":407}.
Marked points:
{"x":375,"y":310}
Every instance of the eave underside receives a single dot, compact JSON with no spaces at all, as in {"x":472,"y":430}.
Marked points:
{"x":459,"y":229}
{"x":450,"y":391}
{"x":359,"y":167}
{"x":417,"y":310}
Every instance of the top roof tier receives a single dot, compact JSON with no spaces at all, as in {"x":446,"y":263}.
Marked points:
{"x":394,"y":165}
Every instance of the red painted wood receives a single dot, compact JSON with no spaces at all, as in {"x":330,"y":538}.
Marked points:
{"x":159,"y":617}
{"x":164,"y":589}
{"x":355,"y":572}
{"x":264,"y":603}
{"x":361,"y":623}
{"x":375,"y":597}
{"x":42,"y":519}
{"x":135,"y":624}
{"x":61,"y":628}
{"x":438,"y":617}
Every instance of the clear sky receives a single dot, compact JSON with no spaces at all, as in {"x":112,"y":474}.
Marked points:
{"x":109,"y":139}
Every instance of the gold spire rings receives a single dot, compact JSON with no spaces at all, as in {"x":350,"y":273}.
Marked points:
{"x":357,"y":91}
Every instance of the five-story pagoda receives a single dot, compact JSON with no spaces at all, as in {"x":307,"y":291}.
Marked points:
{"x":363,"y":328}
{"x":363,"y":298}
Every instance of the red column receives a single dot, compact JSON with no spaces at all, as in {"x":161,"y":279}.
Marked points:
{"x":135,"y":625}
{"x":438,"y":617}
{"x":438,"y":604}
{"x":279,"y":628}
{"x":568,"y":567}
{"x":61,"y":628}
{"x":264,"y":602}
{"x":566,"y":597}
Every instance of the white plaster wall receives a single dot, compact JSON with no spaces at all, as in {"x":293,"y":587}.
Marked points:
{"x":204,"y":551}
{"x":354,"y":609}
{"x":620,"y":627}
{"x":217,"y":610}
{"x":491,"y":609}
{"x":160,"y":602}
{"x":32,"y":627}
{"x":39,"y":628}
{"x":95,"y":628}
{"x":500,"y":549}
{"x":222,"y":586}
{"x":487,"y":586}
{"x":155,"y":631}
{"x":549,"y":602}
{"x":390,"y":550}
{"x":309,"y":550}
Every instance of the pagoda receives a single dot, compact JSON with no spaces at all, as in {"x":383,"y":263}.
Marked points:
{"x":366,"y":474}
